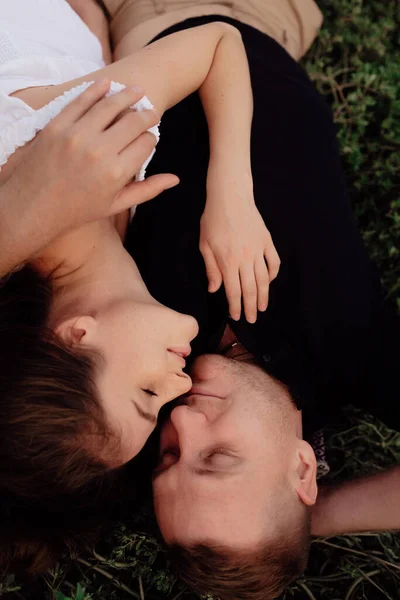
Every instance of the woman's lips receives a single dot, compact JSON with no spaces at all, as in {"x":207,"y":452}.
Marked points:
{"x":181,"y":353}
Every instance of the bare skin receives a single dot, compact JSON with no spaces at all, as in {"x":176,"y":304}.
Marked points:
{"x":370,"y":503}
{"x":39,"y":202}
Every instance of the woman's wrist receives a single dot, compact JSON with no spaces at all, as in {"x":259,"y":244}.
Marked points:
{"x":230,"y":182}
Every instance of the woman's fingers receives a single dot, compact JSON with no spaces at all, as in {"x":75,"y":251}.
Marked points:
{"x":233,"y":292}
{"x":126,"y":129}
{"x":273,"y":260}
{"x":139,"y":192}
{"x":262,"y":279}
{"x":110,"y":107}
{"x":249,"y":291}
{"x":213,"y":271}
{"x":83,"y":103}
{"x":133,"y":156}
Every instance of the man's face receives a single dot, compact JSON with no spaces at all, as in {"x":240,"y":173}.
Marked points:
{"x":225,"y":455}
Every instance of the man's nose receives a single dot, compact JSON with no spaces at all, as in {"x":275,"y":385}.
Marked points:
{"x":188,"y":422}
{"x":206,"y":367}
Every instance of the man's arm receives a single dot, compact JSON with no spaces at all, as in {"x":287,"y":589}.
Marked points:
{"x":370,"y":503}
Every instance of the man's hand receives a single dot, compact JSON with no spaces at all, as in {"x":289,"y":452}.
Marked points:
{"x":237,"y":249}
{"x":78,"y":169}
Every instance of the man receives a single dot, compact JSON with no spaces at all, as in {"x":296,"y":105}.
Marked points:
{"x":236,"y":480}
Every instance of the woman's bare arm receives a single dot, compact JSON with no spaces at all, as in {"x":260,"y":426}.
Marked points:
{"x":169,"y":69}
{"x":93,"y":15}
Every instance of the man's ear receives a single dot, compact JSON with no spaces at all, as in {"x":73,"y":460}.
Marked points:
{"x":77,"y":330}
{"x":306,"y":474}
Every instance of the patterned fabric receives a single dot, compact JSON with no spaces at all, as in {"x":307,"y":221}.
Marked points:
{"x":317,"y":442}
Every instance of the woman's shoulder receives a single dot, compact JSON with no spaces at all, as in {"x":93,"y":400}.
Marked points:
{"x":45,"y":28}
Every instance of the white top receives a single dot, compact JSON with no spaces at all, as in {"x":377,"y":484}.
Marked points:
{"x":43,"y":42}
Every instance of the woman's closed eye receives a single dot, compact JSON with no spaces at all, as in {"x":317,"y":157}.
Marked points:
{"x":149,"y":392}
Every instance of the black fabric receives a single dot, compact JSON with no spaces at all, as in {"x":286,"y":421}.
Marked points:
{"x":326,"y":332}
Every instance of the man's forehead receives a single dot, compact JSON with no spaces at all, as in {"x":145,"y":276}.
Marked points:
{"x":225,"y":520}
{"x":192,"y":487}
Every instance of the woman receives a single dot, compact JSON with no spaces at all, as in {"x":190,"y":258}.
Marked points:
{"x":66,"y":443}
{"x":71,"y":263}
{"x":81,"y":402}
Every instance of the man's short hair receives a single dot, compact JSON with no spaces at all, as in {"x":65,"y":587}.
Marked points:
{"x":259,"y":574}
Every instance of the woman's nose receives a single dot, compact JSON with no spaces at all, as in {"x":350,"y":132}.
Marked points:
{"x":188,"y":325}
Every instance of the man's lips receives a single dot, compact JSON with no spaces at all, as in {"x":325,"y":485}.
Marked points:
{"x":200,"y":391}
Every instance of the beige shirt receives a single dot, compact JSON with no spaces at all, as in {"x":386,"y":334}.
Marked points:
{"x":292,"y":23}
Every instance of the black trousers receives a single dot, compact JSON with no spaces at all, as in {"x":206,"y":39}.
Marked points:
{"x":327,"y":332}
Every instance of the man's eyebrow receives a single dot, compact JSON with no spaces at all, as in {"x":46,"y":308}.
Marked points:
{"x":145,"y":415}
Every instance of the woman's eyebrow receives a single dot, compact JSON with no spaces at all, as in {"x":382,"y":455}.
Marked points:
{"x":145,"y":415}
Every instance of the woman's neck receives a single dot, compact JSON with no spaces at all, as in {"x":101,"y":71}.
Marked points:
{"x":89,"y":267}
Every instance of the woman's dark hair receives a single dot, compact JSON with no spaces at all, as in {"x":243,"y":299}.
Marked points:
{"x":53,"y":433}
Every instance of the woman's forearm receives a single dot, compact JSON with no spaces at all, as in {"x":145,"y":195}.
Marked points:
{"x":227,"y":99}
{"x":169,"y":69}
{"x":367,"y":504}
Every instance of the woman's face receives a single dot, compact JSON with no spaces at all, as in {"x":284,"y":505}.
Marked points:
{"x":144,"y":345}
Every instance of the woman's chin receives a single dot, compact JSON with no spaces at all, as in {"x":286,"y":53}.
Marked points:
{"x":187,"y":384}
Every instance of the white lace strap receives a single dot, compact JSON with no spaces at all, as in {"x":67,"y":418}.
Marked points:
{"x":23,"y":130}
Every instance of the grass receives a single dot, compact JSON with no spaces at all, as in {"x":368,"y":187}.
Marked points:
{"x":355,"y":63}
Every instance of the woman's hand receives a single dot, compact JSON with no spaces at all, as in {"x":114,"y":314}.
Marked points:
{"x":237,"y":249}
{"x":78,"y":169}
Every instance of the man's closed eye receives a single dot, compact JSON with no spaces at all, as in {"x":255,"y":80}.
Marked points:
{"x":217,"y":461}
